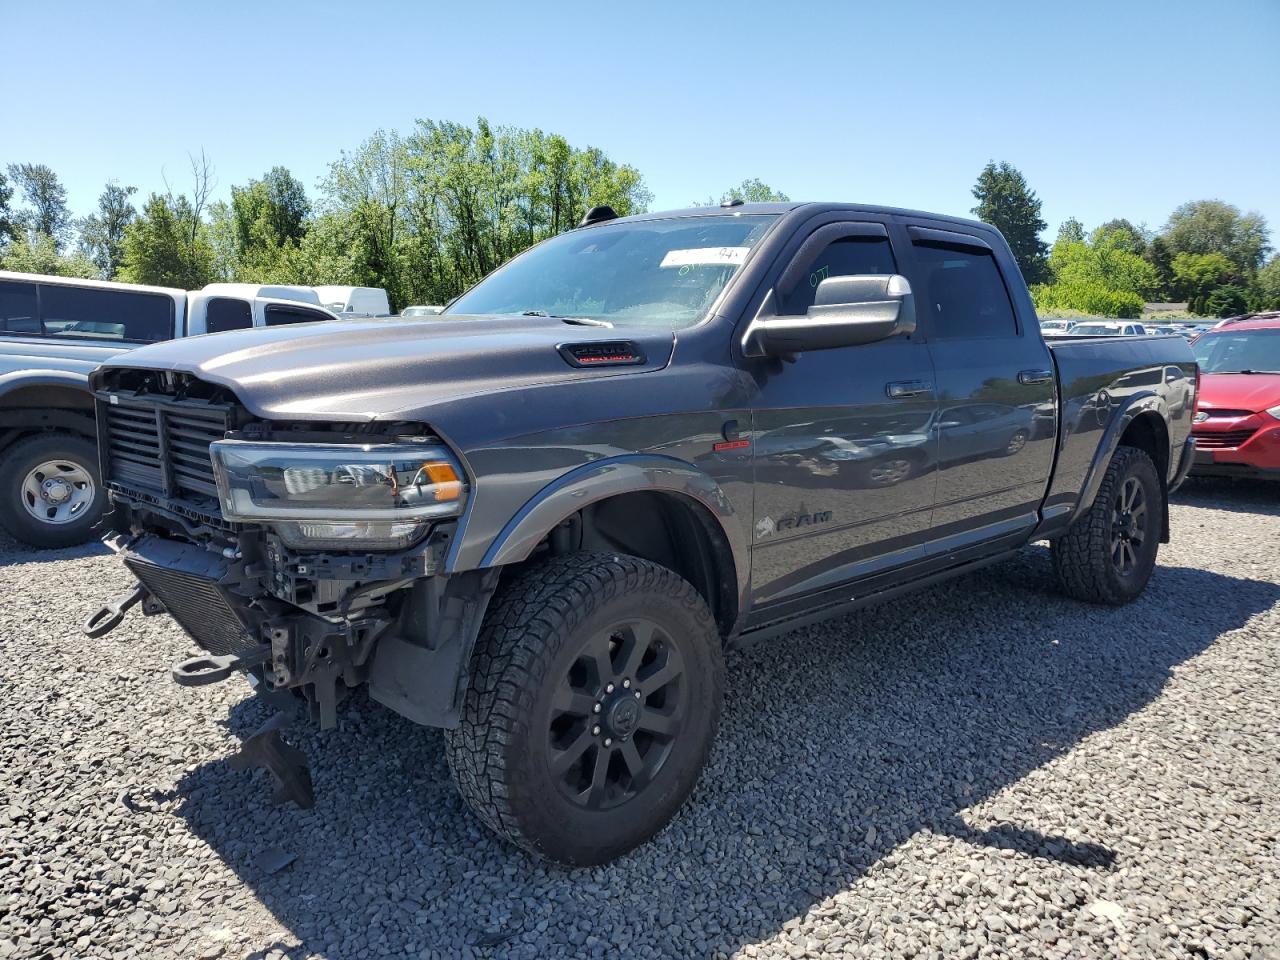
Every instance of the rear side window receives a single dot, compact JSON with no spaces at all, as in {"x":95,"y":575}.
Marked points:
{"x":964,"y":293}
{"x":103,"y":314}
{"x":845,"y":257}
{"x":225,"y":313}
{"x":278,"y":315}
{"x":18,"y":308}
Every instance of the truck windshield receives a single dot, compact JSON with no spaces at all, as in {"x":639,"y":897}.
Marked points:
{"x":1242,"y":351}
{"x":659,"y":273}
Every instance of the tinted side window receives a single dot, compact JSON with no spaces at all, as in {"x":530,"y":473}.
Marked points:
{"x":278,"y":315}
{"x":846,"y":257}
{"x":224,"y":313}
{"x":84,"y":312}
{"x":18,"y":308}
{"x":964,"y":293}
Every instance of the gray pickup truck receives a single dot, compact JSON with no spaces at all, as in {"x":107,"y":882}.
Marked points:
{"x":538,"y":520}
{"x":53,"y":331}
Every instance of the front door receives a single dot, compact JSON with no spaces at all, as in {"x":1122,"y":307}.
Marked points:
{"x":844,"y":453}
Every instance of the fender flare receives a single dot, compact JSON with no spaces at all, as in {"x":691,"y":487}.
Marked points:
{"x":601,"y":479}
{"x":1147,"y":403}
{"x":21,"y":379}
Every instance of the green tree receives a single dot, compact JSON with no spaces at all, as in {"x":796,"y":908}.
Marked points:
{"x":1102,"y":278}
{"x":1124,"y":234}
{"x":102,"y":233}
{"x":38,"y":253}
{"x":751,"y":190}
{"x":46,"y":200}
{"x":1007,"y":203}
{"x":167,"y":245}
{"x":8,"y":230}
{"x":1070,"y":231}
{"x":1228,"y":300}
{"x":1211,"y":226}
{"x":261,"y":229}
{"x":272,"y":209}
{"x":1197,"y":275}
{"x":426,"y":215}
{"x":1160,"y":257}
{"x":1264,"y":294}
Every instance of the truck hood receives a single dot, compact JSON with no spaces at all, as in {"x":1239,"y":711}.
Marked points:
{"x":360,"y":370}
{"x":1239,"y":391}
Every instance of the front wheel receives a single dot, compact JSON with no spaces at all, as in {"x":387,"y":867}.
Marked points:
{"x":593,"y":700}
{"x":50,"y":491}
{"x":1109,"y":554}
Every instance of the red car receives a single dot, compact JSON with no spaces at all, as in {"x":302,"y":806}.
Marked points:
{"x":1237,"y":421}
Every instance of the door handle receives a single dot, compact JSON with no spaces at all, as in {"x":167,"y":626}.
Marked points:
{"x":1035,"y":376}
{"x":908,"y":388}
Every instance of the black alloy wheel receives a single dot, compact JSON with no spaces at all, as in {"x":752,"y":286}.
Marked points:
{"x":616,"y":714}
{"x":1128,"y":526}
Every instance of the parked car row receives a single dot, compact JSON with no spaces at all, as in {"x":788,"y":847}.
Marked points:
{"x":1063,"y":327}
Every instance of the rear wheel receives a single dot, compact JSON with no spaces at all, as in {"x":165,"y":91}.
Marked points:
{"x":594,"y":697}
{"x":1108,"y":555}
{"x":50,"y":491}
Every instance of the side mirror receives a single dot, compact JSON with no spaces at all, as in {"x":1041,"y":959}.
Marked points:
{"x":846,"y":312}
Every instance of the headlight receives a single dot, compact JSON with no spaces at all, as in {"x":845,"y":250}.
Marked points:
{"x":1274,"y":411}
{"x":340,"y":495}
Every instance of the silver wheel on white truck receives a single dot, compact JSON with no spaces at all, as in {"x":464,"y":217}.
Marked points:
{"x":50,"y":491}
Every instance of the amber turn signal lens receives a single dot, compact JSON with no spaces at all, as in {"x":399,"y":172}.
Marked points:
{"x":444,"y":479}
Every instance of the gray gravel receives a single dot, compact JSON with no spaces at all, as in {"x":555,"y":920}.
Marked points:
{"x":984,"y":769}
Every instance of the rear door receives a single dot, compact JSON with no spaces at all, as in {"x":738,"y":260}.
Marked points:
{"x":844,"y":454}
{"x":994,"y":376}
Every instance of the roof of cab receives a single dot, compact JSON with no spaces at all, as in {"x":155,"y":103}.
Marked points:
{"x":778,"y":209}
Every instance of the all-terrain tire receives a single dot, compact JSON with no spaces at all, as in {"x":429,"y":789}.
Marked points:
{"x":16,"y":466}
{"x":1084,"y":558}
{"x":504,"y":756}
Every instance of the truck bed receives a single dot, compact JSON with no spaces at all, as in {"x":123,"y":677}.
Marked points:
{"x":1100,"y":380}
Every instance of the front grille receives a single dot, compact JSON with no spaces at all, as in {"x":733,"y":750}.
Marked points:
{"x":183,"y":578}
{"x":162,"y":445}
{"x":1224,"y":440}
{"x":1217,"y":414}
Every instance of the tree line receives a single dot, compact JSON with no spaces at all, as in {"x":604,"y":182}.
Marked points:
{"x":1207,"y":254}
{"x":423,"y":215}
{"x":427,"y":213}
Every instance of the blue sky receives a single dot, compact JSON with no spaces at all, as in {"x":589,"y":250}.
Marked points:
{"x":1120,"y":108}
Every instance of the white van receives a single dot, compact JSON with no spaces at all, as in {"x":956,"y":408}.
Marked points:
{"x":355,"y":301}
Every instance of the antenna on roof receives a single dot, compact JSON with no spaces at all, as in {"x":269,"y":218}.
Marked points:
{"x":734,"y":202}
{"x":599,"y":215}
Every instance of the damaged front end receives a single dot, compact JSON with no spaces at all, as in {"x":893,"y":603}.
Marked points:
{"x":309,"y":558}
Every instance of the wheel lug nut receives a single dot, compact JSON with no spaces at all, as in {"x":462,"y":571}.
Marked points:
{"x":637,"y":694}
{"x":596,"y":708}
{"x":608,"y":688}
{"x":626,"y":684}
{"x":595,"y":731}
{"x":608,"y":742}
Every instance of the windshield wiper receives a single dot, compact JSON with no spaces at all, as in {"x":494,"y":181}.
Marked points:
{"x":1247,"y":371}
{"x":576,"y":321}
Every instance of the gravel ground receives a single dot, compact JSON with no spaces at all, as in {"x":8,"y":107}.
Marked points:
{"x":985,"y":769}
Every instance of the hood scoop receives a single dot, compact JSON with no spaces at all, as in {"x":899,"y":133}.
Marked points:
{"x":602,"y":353}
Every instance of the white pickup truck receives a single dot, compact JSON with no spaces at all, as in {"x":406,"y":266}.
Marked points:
{"x":53,"y":331}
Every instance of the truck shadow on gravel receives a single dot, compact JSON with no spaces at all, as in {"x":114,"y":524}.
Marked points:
{"x":13,"y":553}
{"x":839,"y":742}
